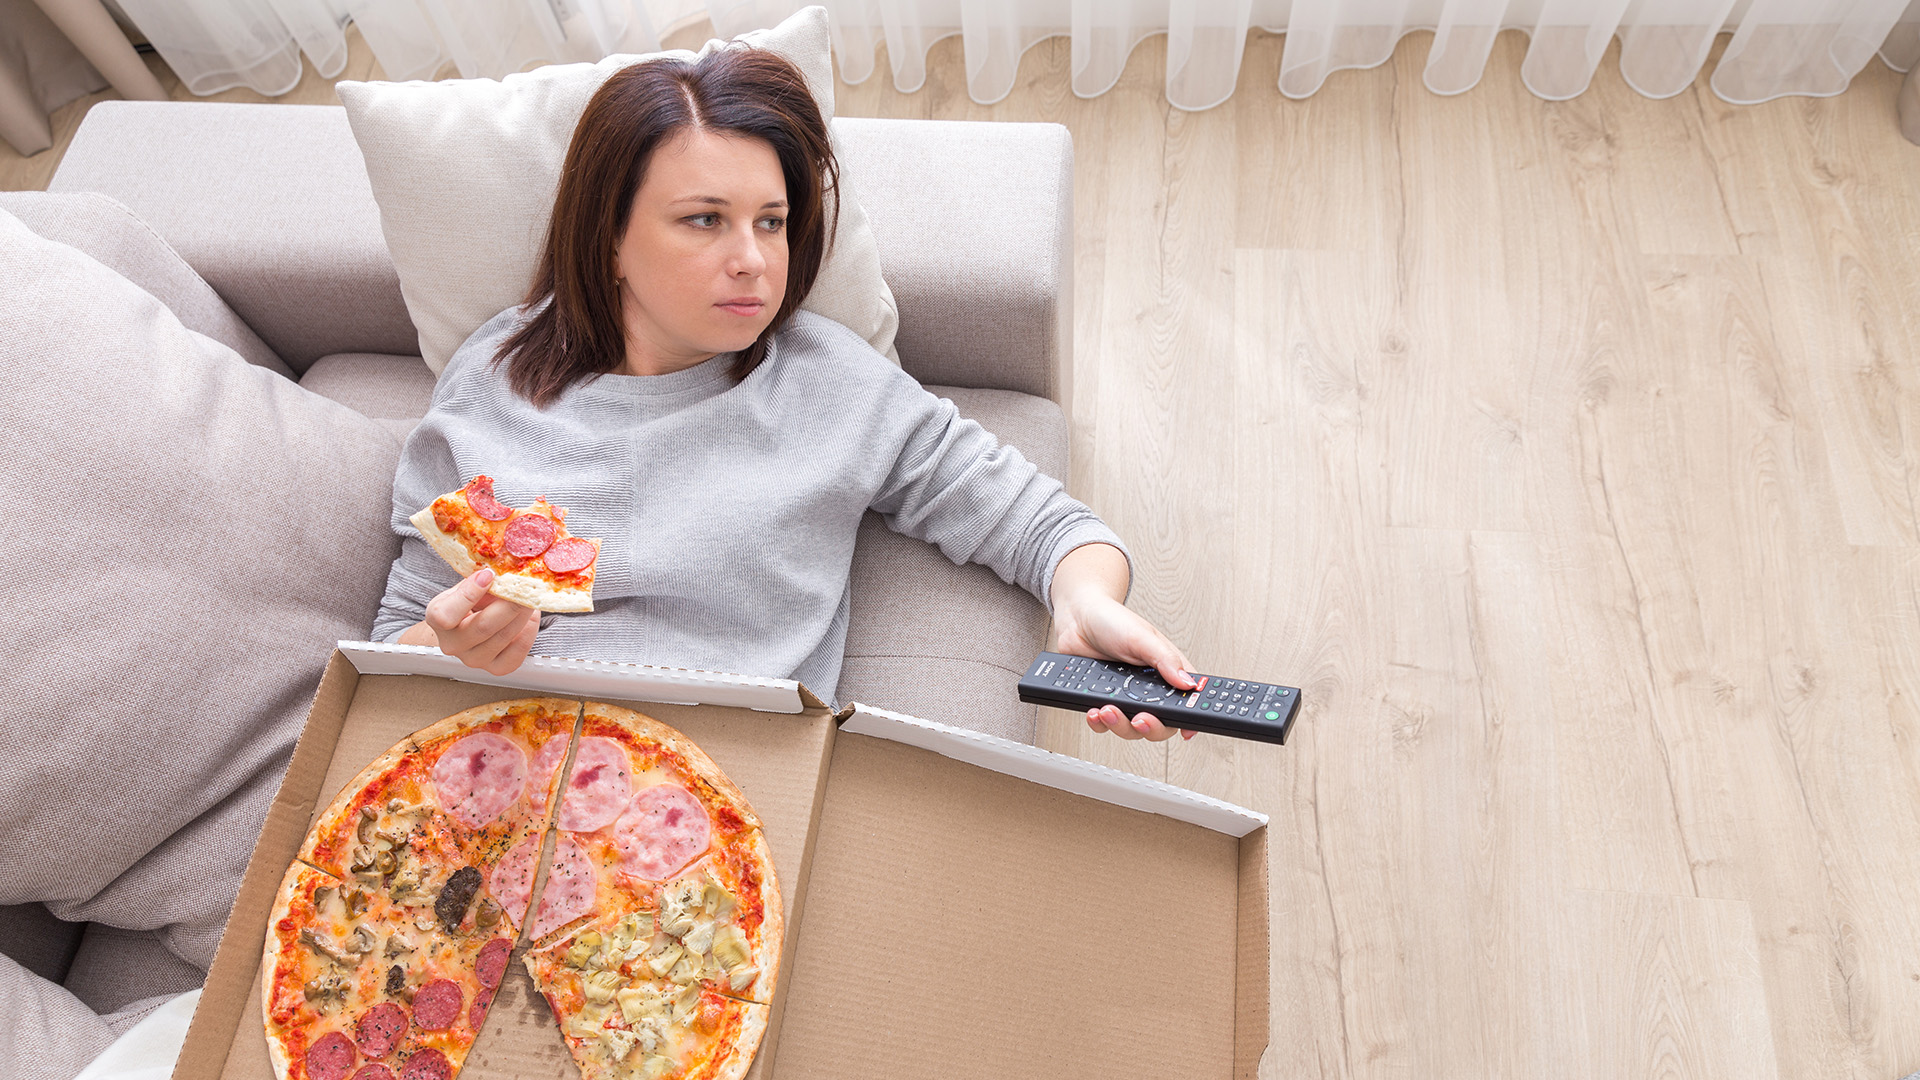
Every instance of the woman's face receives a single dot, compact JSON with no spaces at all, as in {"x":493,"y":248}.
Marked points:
{"x":703,"y":263}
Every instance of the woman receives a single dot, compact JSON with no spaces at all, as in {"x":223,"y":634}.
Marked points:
{"x":661,"y":383}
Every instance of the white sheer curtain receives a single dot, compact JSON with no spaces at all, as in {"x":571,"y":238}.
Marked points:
{"x":1779,"y":46}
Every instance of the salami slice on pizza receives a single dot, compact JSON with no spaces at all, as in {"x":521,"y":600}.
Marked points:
{"x":534,"y":559}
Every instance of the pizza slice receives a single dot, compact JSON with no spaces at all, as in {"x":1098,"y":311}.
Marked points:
{"x":449,"y":821}
{"x":662,"y":831}
{"x":621,"y":1021}
{"x":534,"y":560}
{"x":354,"y":985}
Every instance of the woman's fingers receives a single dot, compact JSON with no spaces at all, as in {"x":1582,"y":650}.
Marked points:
{"x":1109,"y":718}
{"x":445,"y":612}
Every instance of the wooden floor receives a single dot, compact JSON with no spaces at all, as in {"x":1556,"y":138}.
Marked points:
{"x":1568,"y":455}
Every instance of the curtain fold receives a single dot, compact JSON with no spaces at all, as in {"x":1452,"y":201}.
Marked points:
{"x":1779,"y":47}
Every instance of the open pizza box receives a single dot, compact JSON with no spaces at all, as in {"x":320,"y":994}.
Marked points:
{"x":957,"y":904}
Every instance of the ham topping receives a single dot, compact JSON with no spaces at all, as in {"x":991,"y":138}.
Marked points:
{"x":477,"y":778}
{"x":599,"y":787}
{"x":662,"y":830}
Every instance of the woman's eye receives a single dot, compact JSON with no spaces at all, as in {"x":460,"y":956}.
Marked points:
{"x":773,"y":224}
{"x":705,"y":221}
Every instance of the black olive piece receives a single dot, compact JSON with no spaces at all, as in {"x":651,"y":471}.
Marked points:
{"x":456,"y":896}
{"x":396,"y":980}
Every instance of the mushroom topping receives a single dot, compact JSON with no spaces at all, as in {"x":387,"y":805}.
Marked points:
{"x":364,"y":830}
{"x":356,"y":903}
{"x":327,"y":949}
{"x":360,"y":942}
{"x":424,"y":924}
{"x":456,"y":896}
{"x":396,"y":981}
{"x":397,"y":944}
{"x":487,"y":915}
{"x":330,"y":985}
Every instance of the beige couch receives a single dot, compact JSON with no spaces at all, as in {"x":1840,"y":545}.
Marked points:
{"x":270,"y":207}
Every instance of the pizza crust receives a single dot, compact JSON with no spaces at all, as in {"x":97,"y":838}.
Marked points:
{"x":524,"y":589}
{"x":773,"y":923}
{"x":746,"y":1046}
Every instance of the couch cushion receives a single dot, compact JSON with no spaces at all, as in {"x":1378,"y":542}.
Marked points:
{"x":129,"y":247}
{"x":41,"y":943}
{"x":465,"y":172}
{"x":374,"y":384}
{"x":213,"y":530}
{"x":948,"y":642}
{"x":115,"y":968}
{"x":269,"y":203}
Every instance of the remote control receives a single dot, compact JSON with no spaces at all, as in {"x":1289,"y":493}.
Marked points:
{"x":1236,"y":707}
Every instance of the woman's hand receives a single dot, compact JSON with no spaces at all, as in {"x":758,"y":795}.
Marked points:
{"x":479,"y":628}
{"x":1090,"y":620}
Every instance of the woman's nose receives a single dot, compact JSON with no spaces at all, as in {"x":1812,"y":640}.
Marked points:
{"x":744,"y":256}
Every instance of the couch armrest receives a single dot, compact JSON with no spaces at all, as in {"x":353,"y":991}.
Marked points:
{"x":270,"y":203}
{"x":975,"y":226}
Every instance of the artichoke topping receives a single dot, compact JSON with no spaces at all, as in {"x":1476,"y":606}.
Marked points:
{"x":600,"y":986}
{"x":641,"y":1002}
{"x":650,"y":1034}
{"x":582,"y":949}
{"x":730,"y":946}
{"x":686,"y":1005}
{"x":740,"y":978}
{"x":699,"y":938}
{"x":617,"y":1044}
{"x":655,"y":1067}
{"x":719,"y":902}
{"x":666,"y":960}
{"x":687,"y":970}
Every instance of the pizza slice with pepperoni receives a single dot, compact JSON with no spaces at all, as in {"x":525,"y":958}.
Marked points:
{"x":357,"y":986}
{"x":535,"y":561}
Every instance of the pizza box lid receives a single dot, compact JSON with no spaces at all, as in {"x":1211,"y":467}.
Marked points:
{"x":957,"y":904}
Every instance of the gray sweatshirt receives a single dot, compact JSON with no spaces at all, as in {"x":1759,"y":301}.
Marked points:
{"x":727,"y":510}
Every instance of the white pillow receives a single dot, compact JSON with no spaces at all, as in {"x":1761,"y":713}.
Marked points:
{"x":465,"y":173}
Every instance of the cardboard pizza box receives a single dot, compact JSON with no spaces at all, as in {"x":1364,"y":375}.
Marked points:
{"x":957,"y":904}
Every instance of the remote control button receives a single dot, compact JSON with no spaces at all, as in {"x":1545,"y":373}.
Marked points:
{"x":1271,"y":715}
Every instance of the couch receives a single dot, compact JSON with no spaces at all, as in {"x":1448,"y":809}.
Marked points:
{"x":270,"y":207}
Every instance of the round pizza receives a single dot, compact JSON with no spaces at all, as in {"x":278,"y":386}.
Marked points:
{"x":607,"y":843}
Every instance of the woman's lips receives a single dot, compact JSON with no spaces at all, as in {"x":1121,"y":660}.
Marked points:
{"x":742,"y":306}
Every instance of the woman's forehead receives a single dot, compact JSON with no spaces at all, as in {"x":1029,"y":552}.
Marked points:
{"x":716,"y":168}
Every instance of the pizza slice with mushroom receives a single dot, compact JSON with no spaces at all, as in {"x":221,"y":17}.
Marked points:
{"x":357,"y":986}
{"x":534,"y":559}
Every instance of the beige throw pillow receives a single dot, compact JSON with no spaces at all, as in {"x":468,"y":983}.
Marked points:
{"x":465,"y":173}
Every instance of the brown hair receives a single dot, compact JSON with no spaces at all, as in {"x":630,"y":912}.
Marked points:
{"x":739,"y":90}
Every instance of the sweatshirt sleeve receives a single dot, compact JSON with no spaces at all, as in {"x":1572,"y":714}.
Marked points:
{"x":955,"y":486}
{"x":426,"y":472}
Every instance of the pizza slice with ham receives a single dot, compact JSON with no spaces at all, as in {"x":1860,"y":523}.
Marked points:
{"x":535,"y":561}
{"x":663,"y":830}
{"x":454,"y":812}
